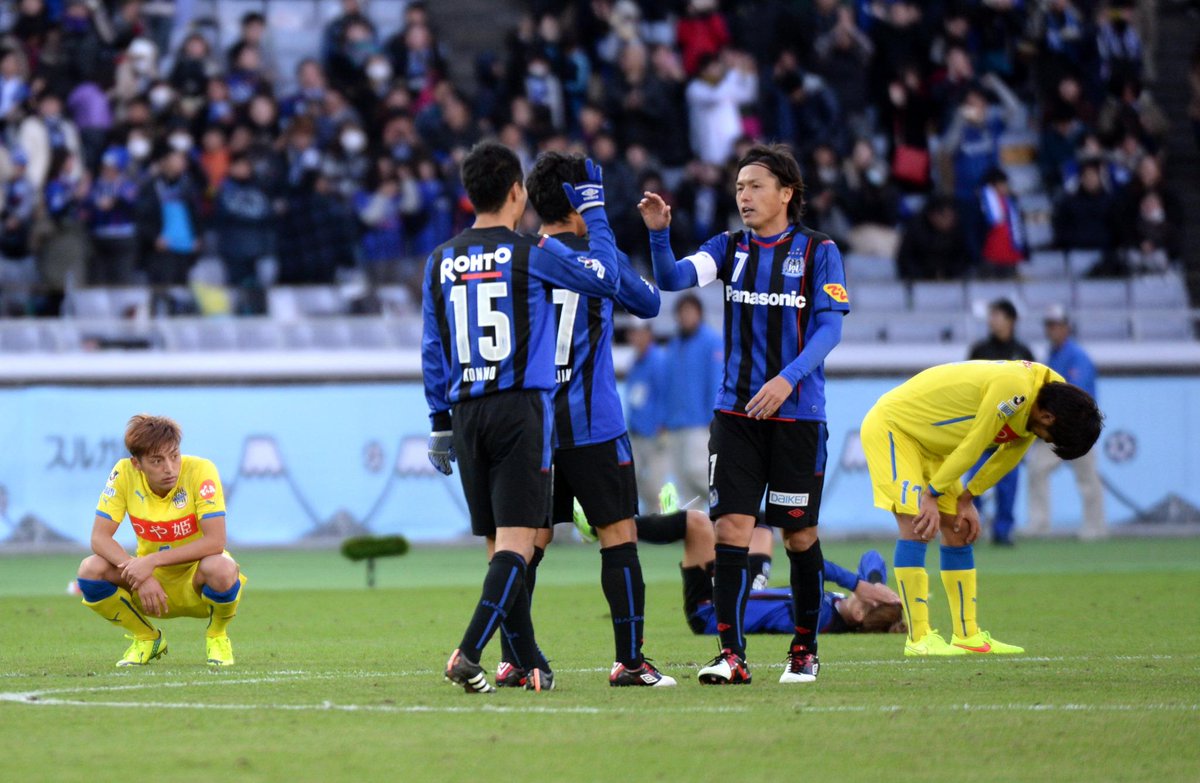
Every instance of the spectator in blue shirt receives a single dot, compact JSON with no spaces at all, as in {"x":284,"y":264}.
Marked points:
{"x":112,"y":216}
{"x":694,"y":360}
{"x":644,"y":407}
{"x":1068,"y":359}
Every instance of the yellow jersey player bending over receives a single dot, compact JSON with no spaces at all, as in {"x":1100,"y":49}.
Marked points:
{"x":177,"y":509}
{"x":921,"y":437}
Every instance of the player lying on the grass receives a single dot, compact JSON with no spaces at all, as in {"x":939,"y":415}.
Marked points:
{"x":871,"y":606}
{"x":593,"y":460}
{"x":487,"y":355}
{"x":177,"y":510}
{"x":919,"y":440}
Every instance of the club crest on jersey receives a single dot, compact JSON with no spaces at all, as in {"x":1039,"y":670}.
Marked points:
{"x":793,"y":264}
{"x":180,"y":499}
{"x":1009,"y":407}
{"x":475,"y":266}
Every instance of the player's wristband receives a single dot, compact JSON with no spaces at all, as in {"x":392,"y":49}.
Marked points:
{"x":440,"y":421}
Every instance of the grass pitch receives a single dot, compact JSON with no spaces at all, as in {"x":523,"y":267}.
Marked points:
{"x":338,"y":683}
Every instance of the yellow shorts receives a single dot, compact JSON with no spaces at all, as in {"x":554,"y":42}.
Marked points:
{"x":900,"y":468}
{"x":178,"y":582}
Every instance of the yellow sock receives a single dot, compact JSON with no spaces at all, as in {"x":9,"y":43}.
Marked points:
{"x":119,"y":609}
{"x":913,"y":586}
{"x":222,"y":607}
{"x":960,"y":591}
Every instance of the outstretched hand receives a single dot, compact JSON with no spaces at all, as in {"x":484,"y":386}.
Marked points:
{"x":655,"y":212}
{"x":590,"y":192}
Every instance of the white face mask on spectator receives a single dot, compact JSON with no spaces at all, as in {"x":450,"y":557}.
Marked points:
{"x":160,"y":97}
{"x":353,"y":141}
{"x":139,"y":147}
{"x":379,"y":71}
{"x":180,"y":142}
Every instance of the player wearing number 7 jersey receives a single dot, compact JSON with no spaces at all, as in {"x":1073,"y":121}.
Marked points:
{"x":593,"y":460}
{"x":487,"y":355}
{"x":785,"y":296}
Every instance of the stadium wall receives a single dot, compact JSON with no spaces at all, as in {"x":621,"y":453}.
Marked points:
{"x":307,"y":462}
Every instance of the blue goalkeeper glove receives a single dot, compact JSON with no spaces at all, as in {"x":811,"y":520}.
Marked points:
{"x":441,"y":451}
{"x":589,"y":193}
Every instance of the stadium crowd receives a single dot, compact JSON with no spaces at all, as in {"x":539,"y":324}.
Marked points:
{"x":129,"y":160}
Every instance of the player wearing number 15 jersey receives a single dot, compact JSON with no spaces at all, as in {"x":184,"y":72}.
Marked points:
{"x":488,"y":360}
{"x":785,"y":296}
{"x":593,"y":461}
{"x":921,"y":437}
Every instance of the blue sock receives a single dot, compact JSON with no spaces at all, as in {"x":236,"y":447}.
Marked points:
{"x":909,"y":554}
{"x":95,"y":590}
{"x":958,"y":558}
{"x":222,"y":598}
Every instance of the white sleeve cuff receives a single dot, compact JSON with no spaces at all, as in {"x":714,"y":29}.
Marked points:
{"x":706,"y":267}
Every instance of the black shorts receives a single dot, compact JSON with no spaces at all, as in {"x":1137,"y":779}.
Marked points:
{"x":601,"y":476}
{"x":504,"y":442}
{"x":785,"y":459}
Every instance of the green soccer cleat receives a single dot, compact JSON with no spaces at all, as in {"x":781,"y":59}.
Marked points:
{"x":931,"y":644}
{"x":218,"y":650}
{"x":668,"y":499}
{"x":142,"y":651}
{"x":586,"y":531}
{"x":982,"y":643}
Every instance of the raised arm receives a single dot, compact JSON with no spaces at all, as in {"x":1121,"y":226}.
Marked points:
{"x":637,"y":295}
{"x":598,"y":273}
{"x":700,"y":268}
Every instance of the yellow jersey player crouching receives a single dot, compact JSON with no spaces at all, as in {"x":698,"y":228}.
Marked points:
{"x":177,"y":509}
{"x":919,"y":440}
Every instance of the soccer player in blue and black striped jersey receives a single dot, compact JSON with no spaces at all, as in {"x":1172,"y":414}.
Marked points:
{"x":593,"y":460}
{"x":785,"y":296}
{"x":487,"y":355}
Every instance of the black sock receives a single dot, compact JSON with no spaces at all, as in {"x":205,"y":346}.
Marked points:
{"x":621,"y":580}
{"x":760,"y":566}
{"x":731,"y":590}
{"x":507,"y":653}
{"x":503,"y":584}
{"x":662,"y":528}
{"x":808,"y":587}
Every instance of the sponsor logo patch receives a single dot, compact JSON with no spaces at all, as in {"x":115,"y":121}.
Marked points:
{"x":113,"y":476}
{"x":836,"y":292}
{"x":1009,"y":407}
{"x":208,"y":489}
{"x":109,"y":491}
{"x":788,"y":498}
{"x":796,"y":513}
{"x":1006,"y":435}
{"x":593,"y":265}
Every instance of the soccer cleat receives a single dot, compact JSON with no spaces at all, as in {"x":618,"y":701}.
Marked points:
{"x":469,"y":675}
{"x":802,"y":666}
{"x":586,"y":531}
{"x":982,"y":643}
{"x":539,"y":680}
{"x":509,"y":676}
{"x":645,"y":675}
{"x":929,"y":645}
{"x":142,"y":651}
{"x":668,"y":499}
{"x":218,"y":650}
{"x":728,"y":668}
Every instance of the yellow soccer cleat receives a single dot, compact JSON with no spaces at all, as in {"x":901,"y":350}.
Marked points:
{"x":142,"y":651}
{"x":931,"y":644}
{"x":668,"y":499}
{"x":586,"y":531}
{"x":982,"y":643}
{"x":218,"y":650}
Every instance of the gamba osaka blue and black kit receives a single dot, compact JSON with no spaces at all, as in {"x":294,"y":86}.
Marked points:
{"x":490,"y":337}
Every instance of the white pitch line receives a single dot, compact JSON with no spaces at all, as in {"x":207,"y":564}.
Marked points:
{"x":220,"y":676}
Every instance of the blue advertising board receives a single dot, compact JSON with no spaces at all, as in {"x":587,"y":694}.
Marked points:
{"x":301,"y":460}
